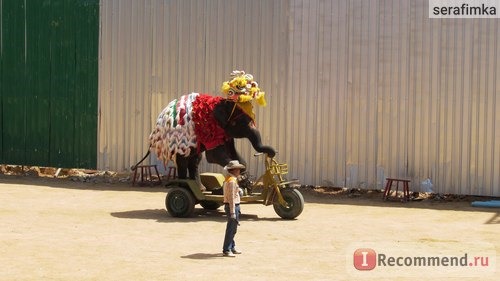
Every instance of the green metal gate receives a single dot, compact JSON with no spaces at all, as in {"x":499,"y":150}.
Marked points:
{"x":48,"y":82}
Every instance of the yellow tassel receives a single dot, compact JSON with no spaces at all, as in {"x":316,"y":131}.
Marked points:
{"x":261,"y":99}
{"x":225,"y":88}
{"x":244,"y":98}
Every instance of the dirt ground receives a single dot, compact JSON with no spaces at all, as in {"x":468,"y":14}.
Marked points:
{"x":70,"y":229}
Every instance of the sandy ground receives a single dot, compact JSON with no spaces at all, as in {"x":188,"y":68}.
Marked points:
{"x":67,"y":230}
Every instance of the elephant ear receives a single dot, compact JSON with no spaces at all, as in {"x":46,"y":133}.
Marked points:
{"x":222,"y":112}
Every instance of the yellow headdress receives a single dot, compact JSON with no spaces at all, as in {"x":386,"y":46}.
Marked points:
{"x":242,"y":88}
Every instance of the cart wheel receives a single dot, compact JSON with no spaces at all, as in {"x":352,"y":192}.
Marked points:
{"x":180,"y":202}
{"x":295,"y":204}
{"x":210,"y":205}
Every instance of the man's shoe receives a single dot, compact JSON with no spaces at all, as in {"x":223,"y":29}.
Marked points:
{"x":228,"y":254}
{"x":236,"y":252}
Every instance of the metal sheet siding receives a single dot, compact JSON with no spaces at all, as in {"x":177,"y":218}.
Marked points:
{"x":154,"y":51}
{"x":357,"y":90}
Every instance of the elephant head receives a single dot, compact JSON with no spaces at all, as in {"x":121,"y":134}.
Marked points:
{"x":237,"y":122}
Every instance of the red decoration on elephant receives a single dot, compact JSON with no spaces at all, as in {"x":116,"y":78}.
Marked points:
{"x":208,"y":132}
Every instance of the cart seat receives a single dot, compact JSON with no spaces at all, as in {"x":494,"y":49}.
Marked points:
{"x":212,"y":181}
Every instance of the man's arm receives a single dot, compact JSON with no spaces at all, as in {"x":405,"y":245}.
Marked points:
{"x":232,"y":207}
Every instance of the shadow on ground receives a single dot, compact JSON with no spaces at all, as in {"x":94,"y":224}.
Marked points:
{"x":161,"y":215}
{"x":203,"y":256}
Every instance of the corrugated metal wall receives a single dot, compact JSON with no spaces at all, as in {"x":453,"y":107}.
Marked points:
{"x":155,"y":51}
{"x":357,"y":90}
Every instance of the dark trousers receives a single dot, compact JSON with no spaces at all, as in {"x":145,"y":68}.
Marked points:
{"x":231,"y":228}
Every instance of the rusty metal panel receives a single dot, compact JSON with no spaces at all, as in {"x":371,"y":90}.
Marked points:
{"x":357,"y":90}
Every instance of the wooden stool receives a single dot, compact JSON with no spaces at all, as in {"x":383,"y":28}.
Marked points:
{"x":172,"y":173}
{"x":145,"y":175}
{"x":406,"y":191}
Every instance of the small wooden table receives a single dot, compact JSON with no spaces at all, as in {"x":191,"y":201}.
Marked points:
{"x":406,"y":190}
{"x":145,"y":175}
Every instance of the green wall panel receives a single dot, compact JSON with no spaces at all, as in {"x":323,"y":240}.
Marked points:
{"x":13,"y":81}
{"x":38,"y":105}
{"x":48,"y":75}
{"x":86,"y":58}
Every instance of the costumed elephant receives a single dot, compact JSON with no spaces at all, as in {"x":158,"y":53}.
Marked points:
{"x":197,"y":123}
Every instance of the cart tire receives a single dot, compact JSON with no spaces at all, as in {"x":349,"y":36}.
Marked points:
{"x":180,"y":202}
{"x":210,"y":205}
{"x":295,"y":204}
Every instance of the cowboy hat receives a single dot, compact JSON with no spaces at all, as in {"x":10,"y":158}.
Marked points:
{"x":234,"y":164}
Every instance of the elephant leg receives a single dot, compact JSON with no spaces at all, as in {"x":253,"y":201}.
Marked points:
{"x":193,"y":163}
{"x":190,"y":164}
{"x":182,"y":166}
{"x":233,"y":154}
{"x":244,"y":178}
{"x":222,"y":154}
{"x":218,"y":155}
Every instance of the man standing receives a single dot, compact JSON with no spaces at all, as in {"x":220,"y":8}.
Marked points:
{"x":231,"y":206}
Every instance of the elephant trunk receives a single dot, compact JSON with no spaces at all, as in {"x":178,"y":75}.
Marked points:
{"x":256,"y":141}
